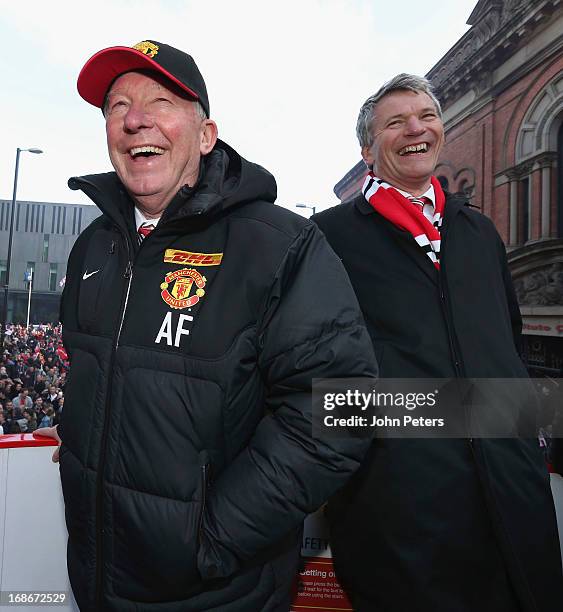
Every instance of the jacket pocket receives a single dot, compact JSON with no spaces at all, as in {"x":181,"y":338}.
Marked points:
{"x":155,"y":543}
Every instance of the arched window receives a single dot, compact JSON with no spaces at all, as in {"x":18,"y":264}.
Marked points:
{"x":524,"y":211}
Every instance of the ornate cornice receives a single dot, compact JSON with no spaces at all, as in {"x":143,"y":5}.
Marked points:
{"x":543,"y":160}
{"x":499,"y":28}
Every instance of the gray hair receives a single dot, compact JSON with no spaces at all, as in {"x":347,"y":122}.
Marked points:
{"x":401,"y":82}
{"x":199,"y":110}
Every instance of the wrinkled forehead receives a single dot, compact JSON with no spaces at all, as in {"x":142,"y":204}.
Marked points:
{"x":145,"y":79}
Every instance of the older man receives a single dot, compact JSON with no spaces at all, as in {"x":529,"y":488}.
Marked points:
{"x":435,"y":525}
{"x":191,"y":317}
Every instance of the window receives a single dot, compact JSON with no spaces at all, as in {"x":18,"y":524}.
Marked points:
{"x":45,"y":255}
{"x":524,"y":213}
{"x":53,"y":269}
{"x":3,"y":272}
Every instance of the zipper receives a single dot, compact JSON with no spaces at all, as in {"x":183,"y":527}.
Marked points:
{"x":204,"y":484}
{"x":456,"y":360}
{"x":128,"y":276}
{"x":444,"y":304}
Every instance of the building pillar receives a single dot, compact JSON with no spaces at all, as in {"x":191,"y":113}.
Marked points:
{"x":545,"y":200}
{"x":534,"y":201}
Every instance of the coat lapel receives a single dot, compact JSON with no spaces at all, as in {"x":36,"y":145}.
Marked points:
{"x":454,"y":205}
{"x":403,"y":239}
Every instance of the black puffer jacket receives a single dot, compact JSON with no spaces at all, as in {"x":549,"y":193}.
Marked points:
{"x":188,"y":461}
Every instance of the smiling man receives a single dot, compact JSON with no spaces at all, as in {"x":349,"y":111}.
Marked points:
{"x":191,"y":319}
{"x":464,"y":525}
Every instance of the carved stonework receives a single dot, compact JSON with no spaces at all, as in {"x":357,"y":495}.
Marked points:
{"x":542,"y":287}
{"x":511,"y":7}
{"x":488,"y":26}
{"x":498,"y":29}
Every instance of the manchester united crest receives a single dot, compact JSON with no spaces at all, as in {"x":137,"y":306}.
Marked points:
{"x":147,"y":47}
{"x":178,"y":285}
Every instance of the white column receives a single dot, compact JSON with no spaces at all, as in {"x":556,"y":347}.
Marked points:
{"x":545,"y":201}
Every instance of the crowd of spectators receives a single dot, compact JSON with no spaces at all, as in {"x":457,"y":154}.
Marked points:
{"x":33,"y":372}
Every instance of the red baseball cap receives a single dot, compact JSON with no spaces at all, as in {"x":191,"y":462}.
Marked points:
{"x":104,"y":67}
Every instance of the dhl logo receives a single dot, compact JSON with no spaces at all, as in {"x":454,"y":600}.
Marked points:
{"x":192,"y":259}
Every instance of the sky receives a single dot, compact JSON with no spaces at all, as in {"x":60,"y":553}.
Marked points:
{"x":285,"y":79}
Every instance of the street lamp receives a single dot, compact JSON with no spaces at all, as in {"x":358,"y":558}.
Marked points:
{"x":313,"y":208}
{"x":10,"y":239}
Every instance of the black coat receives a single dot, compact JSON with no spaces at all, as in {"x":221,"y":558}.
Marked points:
{"x":438,"y":525}
{"x":188,"y":462}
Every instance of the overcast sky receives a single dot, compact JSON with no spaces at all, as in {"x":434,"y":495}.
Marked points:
{"x":285,"y":79}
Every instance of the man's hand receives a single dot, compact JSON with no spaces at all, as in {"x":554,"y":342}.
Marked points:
{"x":50,"y":432}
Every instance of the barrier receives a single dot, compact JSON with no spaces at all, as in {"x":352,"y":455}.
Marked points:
{"x":32,"y":529}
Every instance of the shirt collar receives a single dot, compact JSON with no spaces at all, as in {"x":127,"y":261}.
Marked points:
{"x":429,"y":193}
{"x":140,"y":219}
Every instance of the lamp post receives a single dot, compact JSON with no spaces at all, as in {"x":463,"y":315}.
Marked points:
{"x":10,"y":240}
{"x":313,"y":208}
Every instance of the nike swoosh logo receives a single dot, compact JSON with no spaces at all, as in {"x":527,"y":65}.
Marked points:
{"x":89,"y":274}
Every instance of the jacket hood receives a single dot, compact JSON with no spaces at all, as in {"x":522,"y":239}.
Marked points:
{"x":225,"y":180}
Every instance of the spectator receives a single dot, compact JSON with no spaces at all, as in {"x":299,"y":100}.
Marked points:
{"x":46,"y":417}
{"x":16,"y":389}
{"x":27,"y":353}
{"x":23,"y":400}
{"x":40,"y":384}
{"x":9,"y":408}
{"x":30,"y":378}
{"x":31,"y":420}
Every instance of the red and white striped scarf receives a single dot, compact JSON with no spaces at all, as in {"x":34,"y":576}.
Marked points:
{"x":392,"y":205}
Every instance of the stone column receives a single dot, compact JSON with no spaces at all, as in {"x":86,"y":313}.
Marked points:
{"x":545,"y":200}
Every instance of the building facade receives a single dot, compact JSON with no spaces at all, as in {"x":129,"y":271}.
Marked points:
{"x":501,"y":90}
{"x":44,"y":233}
{"x":501,"y":86}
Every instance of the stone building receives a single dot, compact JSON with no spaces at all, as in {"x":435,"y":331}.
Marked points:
{"x":501,"y":89}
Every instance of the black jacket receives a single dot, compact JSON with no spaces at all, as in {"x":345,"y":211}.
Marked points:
{"x":188,"y":461}
{"x":438,"y":525}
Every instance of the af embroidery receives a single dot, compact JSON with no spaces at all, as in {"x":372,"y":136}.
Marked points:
{"x":180,"y":284}
{"x":187,"y":258}
{"x":147,"y":47}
